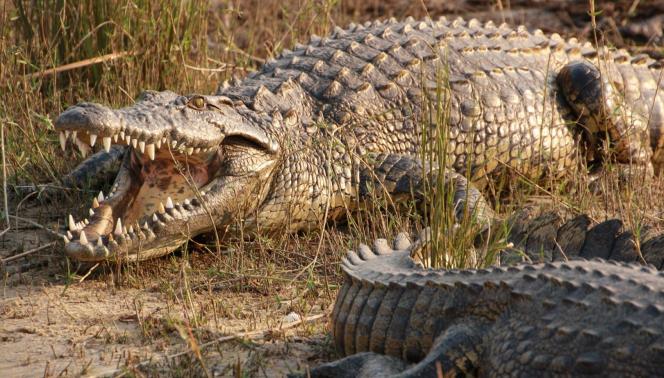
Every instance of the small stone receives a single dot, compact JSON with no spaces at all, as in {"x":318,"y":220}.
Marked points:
{"x":292,"y":317}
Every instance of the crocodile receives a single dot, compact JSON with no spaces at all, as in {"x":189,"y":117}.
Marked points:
{"x":536,"y":236}
{"x":578,"y":317}
{"x":343,"y":119}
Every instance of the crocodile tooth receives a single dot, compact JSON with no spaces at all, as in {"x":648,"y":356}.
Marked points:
{"x":63,"y":140}
{"x":124,"y":230}
{"x":121,"y":239}
{"x":197,"y":150}
{"x":169,"y":203}
{"x":67,"y":134}
{"x":158,"y":143}
{"x":166,"y":217}
{"x":161,"y":208}
{"x":150,"y":149}
{"x":99,"y":242}
{"x":149,"y":234}
{"x":118,"y":227}
{"x":174,"y":144}
{"x":86,"y":222}
{"x":72,"y":223}
{"x":95,"y":203}
{"x":69,"y":235}
{"x":131,"y":229}
{"x":174,"y":212}
{"x":186,"y":201}
{"x":127,"y":139}
{"x":100,"y":196}
{"x":73,"y":135}
{"x":122,"y":135}
{"x":91,"y":212}
{"x":65,"y":239}
{"x":83,"y":239}
{"x":115,"y":138}
{"x":146,"y":226}
{"x":83,"y":147}
{"x":190,"y":150}
{"x":141,"y":146}
{"x":154,"y":218}
{"x":134,"y":142}
{"x":93,"y":139}
{"x":107,"y":143}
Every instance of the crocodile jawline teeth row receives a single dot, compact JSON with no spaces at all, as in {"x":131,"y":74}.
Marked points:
{"x":149,"y":149}
{"x":165,"y":212}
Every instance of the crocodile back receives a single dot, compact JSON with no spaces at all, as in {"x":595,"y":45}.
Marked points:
{"x":488,"y":92}
{"x":382,"y":84}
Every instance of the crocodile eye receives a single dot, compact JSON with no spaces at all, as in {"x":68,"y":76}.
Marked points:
{"x":197,"y":102}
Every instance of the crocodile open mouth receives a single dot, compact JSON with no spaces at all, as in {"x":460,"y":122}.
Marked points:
{"x":192,"y":163}
{"x":157,"y":183}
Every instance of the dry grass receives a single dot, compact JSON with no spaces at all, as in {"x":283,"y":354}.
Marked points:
{"x":108,"y":52}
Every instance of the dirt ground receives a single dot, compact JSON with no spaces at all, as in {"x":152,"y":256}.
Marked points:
{"x":57,"y":322}
{"x":176,"y":316}
{"x":91,"y":330}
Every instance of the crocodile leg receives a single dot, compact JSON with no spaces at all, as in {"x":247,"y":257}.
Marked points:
{"x":96,"y":170}
{"x":598,"y":105}
{"x":453,"y":354}
{"x":405,"y":177}
{"x":92,"y":173}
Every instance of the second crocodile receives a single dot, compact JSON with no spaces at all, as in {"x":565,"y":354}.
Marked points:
{"x":579,"y":318}
{"x":342,"y":118}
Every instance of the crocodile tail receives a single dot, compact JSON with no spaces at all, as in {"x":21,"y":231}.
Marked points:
{"x":364,"y":253}
{"x":549,"y":237}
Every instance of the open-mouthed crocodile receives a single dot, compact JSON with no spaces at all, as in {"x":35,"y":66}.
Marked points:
{"x":392,"y":318}
{"x":343,"y":117}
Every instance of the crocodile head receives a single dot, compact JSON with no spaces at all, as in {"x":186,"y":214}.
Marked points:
{"x":191,"y":163}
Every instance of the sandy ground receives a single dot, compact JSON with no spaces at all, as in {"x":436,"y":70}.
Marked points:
{"x":90,"y":329}
{"x":55,"y":323}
